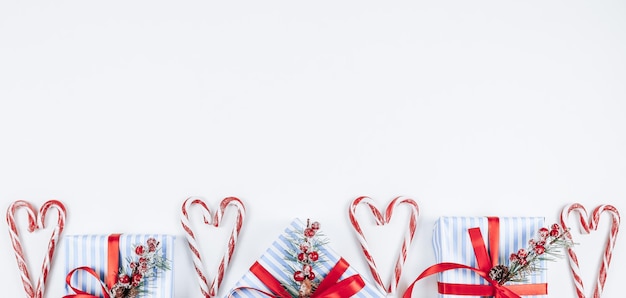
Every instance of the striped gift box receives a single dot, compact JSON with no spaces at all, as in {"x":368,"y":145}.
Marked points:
{"x":275,"y":262}
{"x":452,"y":243}
{"x":91,"y":251}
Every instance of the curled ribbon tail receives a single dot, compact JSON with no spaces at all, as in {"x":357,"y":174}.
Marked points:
{"x":81,"y":293}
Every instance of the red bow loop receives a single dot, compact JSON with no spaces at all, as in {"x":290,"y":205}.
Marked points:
{"x":80,"y":293}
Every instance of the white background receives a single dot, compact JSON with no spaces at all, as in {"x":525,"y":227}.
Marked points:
{"x":122,"y":109}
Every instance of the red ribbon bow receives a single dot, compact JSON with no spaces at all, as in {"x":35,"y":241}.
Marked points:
{"x":111,"y":276}
{"x":485,"y":262}
{"x":330,"y":287}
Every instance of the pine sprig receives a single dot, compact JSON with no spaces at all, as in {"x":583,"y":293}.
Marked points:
{"x":304,"y":259}
{"x":548,"y":246}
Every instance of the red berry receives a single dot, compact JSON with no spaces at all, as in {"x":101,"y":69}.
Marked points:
{"x":301,"y":257}
{"x":125,"y":279}
{"x":311,"y":275}
{"x":313,"y":256}
{"x":298,"y":276}
{"x":308,"y":232}
{"x":556,"y":227}
{"x":554,"y":232}
{"x":315,"y":225}
{"x":140,"y":250}
{"x":137,"y":278}
{"x":540,"y":249}
{"x":152,"y":244}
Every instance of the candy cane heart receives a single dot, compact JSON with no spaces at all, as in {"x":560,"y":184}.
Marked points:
{"x":587,"y":225}
{"x":382,"y":220}
{"x":36,"y":221}
{"x":194,"y":247}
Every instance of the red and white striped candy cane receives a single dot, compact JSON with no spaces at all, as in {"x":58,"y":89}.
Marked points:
{"x":194,"y":247}
{"x":380,"y":220}
{"x":35,"y":221}
{"x":586,"y":228}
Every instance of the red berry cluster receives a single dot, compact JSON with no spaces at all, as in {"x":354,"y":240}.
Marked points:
{"x":140,"y":267}
{"x":307,"y":256}
{"x":525,"y":262}
{"x":538,"y":246}
{"x":129,"y":284}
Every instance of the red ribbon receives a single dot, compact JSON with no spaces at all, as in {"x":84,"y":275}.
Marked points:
{"x":486,"y":261}
{"x":330,"y":287}
{"x":111,"y":273}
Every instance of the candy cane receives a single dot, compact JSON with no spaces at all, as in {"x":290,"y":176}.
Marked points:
{"x":380,"y":220}
{"x":17,"y":245}
{"x":194,"y":247}
{"x":35,"y":222}
{"x":586,"y":228}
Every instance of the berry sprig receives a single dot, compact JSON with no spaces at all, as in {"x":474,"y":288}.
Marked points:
{"x":307,"y":256}
{"x":130,"y":285}
{"x":304,"y":260}
{"x":524,"y":262}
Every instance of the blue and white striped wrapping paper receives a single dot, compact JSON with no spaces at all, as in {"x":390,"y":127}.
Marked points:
{"x":452,"y":243}
{"x":91,"y":251}
{"x":273,"y":260}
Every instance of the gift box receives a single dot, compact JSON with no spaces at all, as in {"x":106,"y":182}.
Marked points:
{"x":123,"y":265}
{"x":501,"y":237}
{"x":279,"y":273}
